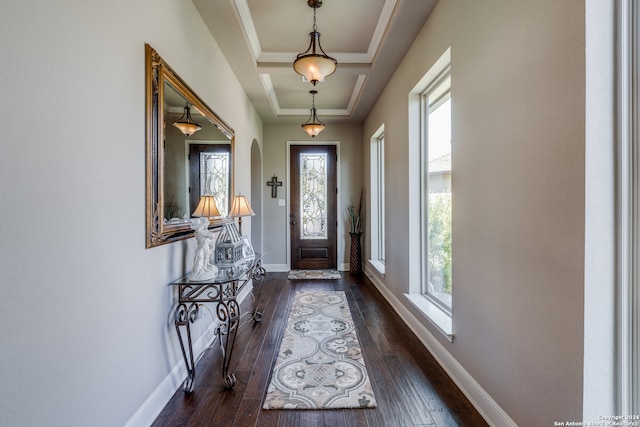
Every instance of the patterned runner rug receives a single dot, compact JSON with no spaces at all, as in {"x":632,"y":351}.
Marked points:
{"x":320,"y":364}
{"x":314,"y":274}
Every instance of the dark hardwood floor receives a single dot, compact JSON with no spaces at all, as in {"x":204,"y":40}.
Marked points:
{"x":411,"y":389}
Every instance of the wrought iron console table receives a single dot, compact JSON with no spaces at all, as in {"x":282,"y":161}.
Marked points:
{"x":223,"y":291}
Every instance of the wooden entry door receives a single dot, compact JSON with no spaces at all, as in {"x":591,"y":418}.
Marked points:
{"x":313,"y":206}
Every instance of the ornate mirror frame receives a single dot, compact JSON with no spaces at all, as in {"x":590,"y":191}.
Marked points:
{"x":157,"y":74}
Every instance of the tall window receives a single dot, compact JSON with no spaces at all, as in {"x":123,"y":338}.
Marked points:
{"x":377,"y":200}
{"x":436,"y":191}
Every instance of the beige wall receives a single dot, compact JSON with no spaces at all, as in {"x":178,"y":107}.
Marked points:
{"x":88,"y":337}
{"x":518,"y":89}
{"x":87,"y":309}
{"x":276,"y":218}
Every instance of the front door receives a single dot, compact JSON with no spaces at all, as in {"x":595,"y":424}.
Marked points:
{"x":313,"y":202}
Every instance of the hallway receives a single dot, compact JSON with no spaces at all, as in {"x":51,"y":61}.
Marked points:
{"x":411,"y":389}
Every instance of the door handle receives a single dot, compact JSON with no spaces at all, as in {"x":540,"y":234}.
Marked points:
{"x":293,"y":223}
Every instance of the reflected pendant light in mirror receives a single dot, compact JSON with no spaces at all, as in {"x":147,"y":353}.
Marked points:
{"x":313,"y":126}
{"x":314,"y":64}
{"x":186,"y":124}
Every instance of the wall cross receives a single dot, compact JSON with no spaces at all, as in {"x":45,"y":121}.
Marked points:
{"x":274,"y":184}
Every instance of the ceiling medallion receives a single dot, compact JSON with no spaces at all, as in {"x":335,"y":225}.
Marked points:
{"x":314,"y":64}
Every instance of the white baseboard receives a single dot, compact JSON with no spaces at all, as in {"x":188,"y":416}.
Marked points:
{"x":283,"y":268}
{"x":479,"y":398}
{"x":276,"y":268}
{"x":155,"y":403}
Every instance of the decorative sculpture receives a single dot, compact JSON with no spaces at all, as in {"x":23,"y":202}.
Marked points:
{"x":228,"y":246}
{"x":202,"y":268}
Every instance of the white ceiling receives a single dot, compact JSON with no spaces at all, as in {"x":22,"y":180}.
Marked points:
{"x":261,"y":38}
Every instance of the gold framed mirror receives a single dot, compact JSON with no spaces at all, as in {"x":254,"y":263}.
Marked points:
{"x":182,"y":165}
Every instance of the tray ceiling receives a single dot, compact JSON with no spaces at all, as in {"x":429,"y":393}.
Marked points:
{"x":261,"y":39}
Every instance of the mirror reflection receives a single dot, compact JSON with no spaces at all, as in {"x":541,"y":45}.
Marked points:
{"x":195,"y":165}
{"x":189,"y":155}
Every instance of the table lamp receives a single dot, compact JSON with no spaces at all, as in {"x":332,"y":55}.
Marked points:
{"x":239,"y":209}
{"x":207,"y":207}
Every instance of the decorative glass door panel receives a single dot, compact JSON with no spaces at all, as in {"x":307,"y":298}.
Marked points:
{"x":214,"y":178}
{"x":210,"y":174}
{"x":313,"y":210}
{"x":313,"y":198}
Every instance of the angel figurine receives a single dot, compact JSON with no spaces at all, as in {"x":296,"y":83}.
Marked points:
{"x":203,"y":270}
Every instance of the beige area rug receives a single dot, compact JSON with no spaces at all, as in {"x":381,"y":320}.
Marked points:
{"x":314,"y":274}
{"x":320,"y":363}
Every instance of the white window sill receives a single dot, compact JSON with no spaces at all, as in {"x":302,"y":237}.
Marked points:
{"x":379,"y":266}
{"x":434,"y":314}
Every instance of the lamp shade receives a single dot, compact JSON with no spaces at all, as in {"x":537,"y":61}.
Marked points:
{"x":241,"y":207}
{"x":313,"y":128}
{"x":314,"y":64}
{"x":186,"y":124}
{"x":207,"y":207}
{"x":187,"y":128}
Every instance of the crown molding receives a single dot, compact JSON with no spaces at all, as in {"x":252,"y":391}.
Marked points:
{"x":280,"y":112}
{"x":253,"y":41}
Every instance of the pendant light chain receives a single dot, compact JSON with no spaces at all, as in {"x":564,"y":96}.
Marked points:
{"x":315,"y":27}
{"x":314,"y":65}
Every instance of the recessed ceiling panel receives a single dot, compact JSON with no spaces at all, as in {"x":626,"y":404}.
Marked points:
{"x":345,"y":26}
{"x":292,"y":93}
{"x":260,"y":39}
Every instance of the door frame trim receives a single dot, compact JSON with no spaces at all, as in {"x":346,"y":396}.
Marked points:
{"x":340,"y":243}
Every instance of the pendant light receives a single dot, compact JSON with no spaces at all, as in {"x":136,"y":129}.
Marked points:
{"x":314,"y":64}
{"x":313,"y":126}
{"x":186,"y":124}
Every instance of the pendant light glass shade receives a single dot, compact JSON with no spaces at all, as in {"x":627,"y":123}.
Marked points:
{"x":313,"y":126}
{"x":313,"y":129}
{"x":314,"y":64}
{"x":186,"y":124}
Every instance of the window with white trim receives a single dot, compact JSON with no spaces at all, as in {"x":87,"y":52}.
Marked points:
{"x":436,"y":200}
{"x":378,"y":201}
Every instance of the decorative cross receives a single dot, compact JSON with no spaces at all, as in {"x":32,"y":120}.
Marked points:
{"x":274,"y":184}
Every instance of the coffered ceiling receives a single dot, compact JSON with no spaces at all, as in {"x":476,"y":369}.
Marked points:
{"x":261,"y":38}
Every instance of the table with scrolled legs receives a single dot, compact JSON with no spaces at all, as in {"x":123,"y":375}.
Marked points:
{"x":222,"y":291}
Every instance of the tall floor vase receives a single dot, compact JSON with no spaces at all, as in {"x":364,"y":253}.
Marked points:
{"x":355,"y":260}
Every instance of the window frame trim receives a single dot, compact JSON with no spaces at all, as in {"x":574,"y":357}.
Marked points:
{"x":628,"y":204}
{"x":425,"y":110}
{"x":378,"y":225}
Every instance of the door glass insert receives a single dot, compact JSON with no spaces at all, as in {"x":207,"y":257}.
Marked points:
{"x":214,"y":178}
{"x":313,"y":197}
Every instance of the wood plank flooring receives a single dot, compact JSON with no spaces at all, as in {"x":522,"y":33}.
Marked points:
{"x":411,"y":389}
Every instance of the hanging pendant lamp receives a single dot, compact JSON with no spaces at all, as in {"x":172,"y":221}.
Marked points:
{"x":186,"y":124}
{"x":314,"y":64}
{"x":313,"y":126}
